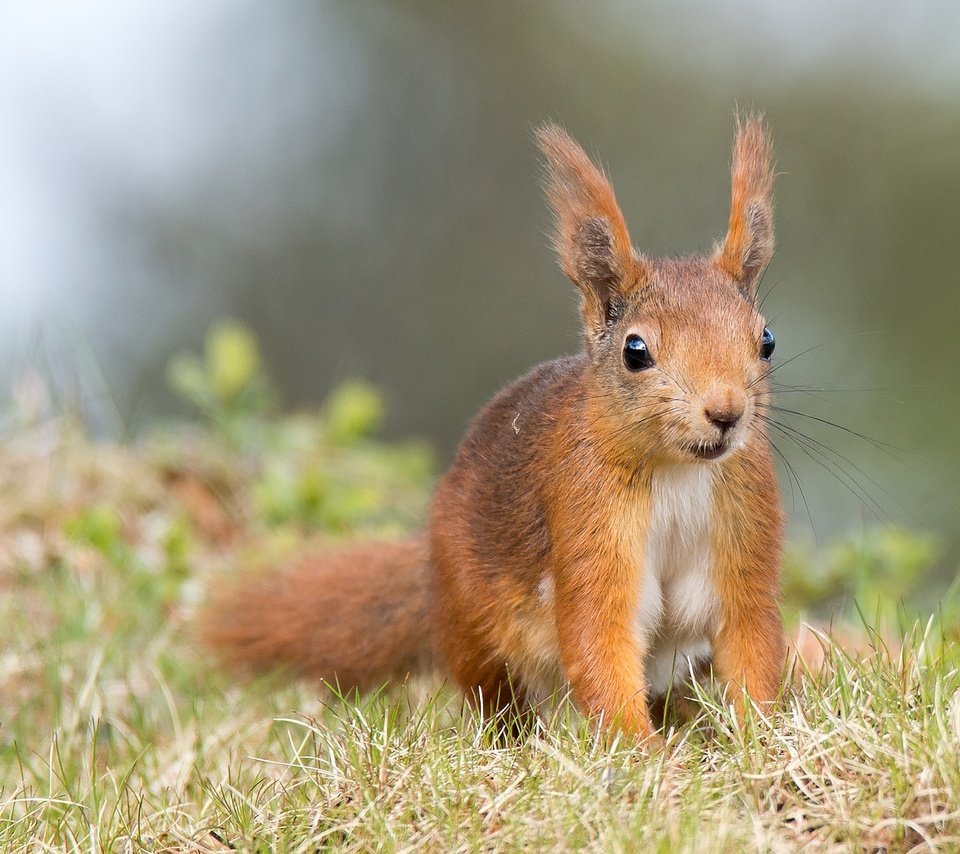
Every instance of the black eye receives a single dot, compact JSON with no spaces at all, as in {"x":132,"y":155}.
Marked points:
{"x":636,"y":356}
{"x":767,"y":343}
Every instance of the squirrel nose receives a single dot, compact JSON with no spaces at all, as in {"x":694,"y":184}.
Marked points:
{"x":724,"y":409}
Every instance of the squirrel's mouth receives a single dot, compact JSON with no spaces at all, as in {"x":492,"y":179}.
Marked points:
{"x":707,"y":450}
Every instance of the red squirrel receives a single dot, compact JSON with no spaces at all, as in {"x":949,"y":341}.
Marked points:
{"x":610,"y":521}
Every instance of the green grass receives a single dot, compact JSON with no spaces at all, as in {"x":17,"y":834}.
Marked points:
{"x":118,"y":734}
{"x":116,"y":737}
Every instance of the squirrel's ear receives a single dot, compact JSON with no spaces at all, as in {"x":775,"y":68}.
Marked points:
{"x":748,"y":246}
{"x":591,"y":237}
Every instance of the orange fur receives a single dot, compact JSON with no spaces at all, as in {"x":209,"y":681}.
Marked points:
{"x":749,"y":648}
{"x":748,"y":246}
{"x":590,"y":236}
{"x":595,"y":519}
{"x":353,"y":616}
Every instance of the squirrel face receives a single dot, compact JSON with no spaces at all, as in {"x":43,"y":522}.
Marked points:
{"x":679,"y":353}
{"x":682,"y":373}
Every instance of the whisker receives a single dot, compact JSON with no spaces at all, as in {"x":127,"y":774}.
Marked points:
{"x":772,"y":288}
{"x":833,"y":468}
{"x":683,"y":386}
{"x":882,"y":446}
{"x":827,"y":449}
{"x":776,"y":367}
{"x":781,"y":388}
{"x":792,"y":473}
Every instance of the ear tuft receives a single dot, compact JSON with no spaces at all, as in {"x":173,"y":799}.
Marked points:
{"x":590,"y":235}
{"x":748,"y":246}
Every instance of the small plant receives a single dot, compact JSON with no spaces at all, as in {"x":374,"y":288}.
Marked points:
{"x":98,"y":526}
{"x":322,"y":470}
{"x":228,"y":385}
{"x":353,"y":412}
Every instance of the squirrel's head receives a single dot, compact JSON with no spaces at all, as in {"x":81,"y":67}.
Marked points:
{"x":679,"y":353}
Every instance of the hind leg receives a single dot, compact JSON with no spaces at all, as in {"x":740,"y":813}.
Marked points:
{"x":492,"y":690}
{"x":495,"y":693}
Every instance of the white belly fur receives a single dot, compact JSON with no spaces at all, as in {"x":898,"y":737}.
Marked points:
{"x":678,"y":602}
{"x":677,"y":605}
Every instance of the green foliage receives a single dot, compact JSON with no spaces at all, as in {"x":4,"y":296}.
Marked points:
{"x":877,"y":572}
{"x":99,"y":526}
{"x":228,"y":385}
{"x":354,"y":411}
{"x":176,"y":542}
{"x":319,"y":470}
{"x":342,"y":485}
{"x":232,"y":359}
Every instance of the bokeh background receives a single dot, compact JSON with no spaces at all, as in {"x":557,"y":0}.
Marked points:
{"x":357,"y":182}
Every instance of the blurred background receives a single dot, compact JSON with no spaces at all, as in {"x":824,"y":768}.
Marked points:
{"x":357,"y":183}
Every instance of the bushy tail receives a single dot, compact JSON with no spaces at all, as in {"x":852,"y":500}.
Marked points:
{"x":355,"y":617}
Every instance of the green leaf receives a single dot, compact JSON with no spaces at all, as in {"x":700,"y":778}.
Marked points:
{"x":232,"y":357}
{"x":99,"y":526}
{"x":354,"y":411}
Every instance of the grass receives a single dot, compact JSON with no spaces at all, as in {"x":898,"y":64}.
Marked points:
{"x":117,"y":734}
{"x":117,"y":737}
